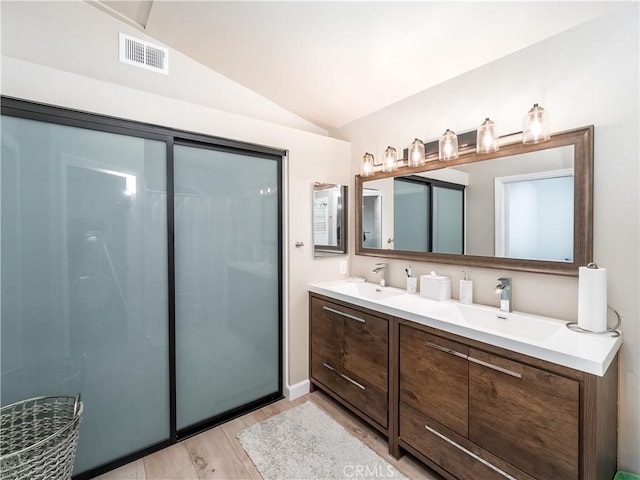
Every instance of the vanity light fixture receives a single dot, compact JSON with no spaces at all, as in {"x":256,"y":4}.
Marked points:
{"x":487,"y":141}
{"x":367,"y":165}
{"x":448,"y":146}
{"x":390,"y":162}
{"x":536,"y":125}
{"x":416,"y":153}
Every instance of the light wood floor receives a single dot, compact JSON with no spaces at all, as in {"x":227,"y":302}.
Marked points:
{"x":217,"y":453}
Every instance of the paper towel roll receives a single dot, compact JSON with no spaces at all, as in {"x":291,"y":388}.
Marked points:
{"x":592,"y":299}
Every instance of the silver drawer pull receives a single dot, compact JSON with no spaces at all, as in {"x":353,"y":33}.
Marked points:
{"x":495,"y":367}
{"x":359,"y":385}
{"x":329,"y":309}
{"x":470,"y":453}
{"x":352,"y":317}
{"x":446,"y":350}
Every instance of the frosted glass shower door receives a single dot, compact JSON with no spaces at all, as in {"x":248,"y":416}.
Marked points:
{"x":448,"y":220}
{"x":84,"y":280}
{"x":411,"y":215}
{"x":227,"y":281}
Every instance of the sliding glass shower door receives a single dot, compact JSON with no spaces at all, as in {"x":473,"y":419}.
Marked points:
{"x":84,"y":280}
{"x":141,"y":268}
{"x":226,"y":281}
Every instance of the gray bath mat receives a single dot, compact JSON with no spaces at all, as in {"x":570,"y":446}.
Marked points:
{"x":304,"y":443}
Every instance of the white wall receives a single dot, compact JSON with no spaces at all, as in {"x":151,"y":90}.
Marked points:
{"x":312,"y":157}
{"x":588,"y":75}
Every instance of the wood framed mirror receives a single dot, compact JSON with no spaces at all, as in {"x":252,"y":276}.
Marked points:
{"x":526,"y":207}
{"x":329,"y":219}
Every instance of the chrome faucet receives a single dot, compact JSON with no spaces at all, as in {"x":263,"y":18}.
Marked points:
{"x":504,"y":289}
{"x":382,"y":269}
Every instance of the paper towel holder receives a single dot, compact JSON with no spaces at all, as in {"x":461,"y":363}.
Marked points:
{"x":612,"y":330}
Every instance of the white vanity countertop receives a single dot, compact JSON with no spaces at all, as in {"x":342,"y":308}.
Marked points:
{"x":539,"y":337}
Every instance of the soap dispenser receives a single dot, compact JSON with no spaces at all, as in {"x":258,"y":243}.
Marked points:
{"x":466,"y":290}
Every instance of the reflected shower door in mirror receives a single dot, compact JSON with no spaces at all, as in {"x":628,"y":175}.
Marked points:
{"x":420,"y":214}
{"x":525,"y":207}
{"x":329,"y":219}
{"x":428,"y":215}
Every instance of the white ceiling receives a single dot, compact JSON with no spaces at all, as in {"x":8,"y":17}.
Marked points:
{"x":334,"y":62}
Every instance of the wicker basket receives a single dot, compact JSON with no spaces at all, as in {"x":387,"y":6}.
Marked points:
{"x":38,"y":438}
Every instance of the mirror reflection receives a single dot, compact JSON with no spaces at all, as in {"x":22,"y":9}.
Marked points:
{"x":522,"y":207}
{"x":329,"y":219}
{"x":414,"y":213}
{"x":517,"y":207}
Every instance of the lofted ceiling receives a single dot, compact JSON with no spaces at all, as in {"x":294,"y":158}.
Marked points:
{"x":334,"y":62}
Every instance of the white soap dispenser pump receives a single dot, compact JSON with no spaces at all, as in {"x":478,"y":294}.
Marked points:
{"x":466,"y":290}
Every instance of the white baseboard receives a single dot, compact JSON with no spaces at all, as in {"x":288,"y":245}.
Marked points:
{"x":299,"y":389}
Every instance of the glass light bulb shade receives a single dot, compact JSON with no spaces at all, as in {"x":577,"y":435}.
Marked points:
{"x":448,"y":146}
{"x":536,"y":125}
{"x":367,"y":165}
{"x":390,"y":161}
{"x":416,"y":153}
{"x":486,"y":141}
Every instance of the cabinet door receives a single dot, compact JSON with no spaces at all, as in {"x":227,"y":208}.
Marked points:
{"x":366,"y":348}
{"x":526,"y":416}
{"x":434,"y":377}
{"x":326,"y":332}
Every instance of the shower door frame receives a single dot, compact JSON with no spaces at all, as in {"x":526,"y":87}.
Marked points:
{"x":29,"y":110}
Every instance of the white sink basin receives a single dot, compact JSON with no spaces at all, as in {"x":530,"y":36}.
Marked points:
{"x":370,"y":291}
{"x":513,"y":324}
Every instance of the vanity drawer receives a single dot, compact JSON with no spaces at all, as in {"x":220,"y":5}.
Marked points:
{"x":525,"y":415}
{"x":327,"y":331}
{"x":362,"y":395}
{"x":434,"y":378}
{"x":429,"y":439}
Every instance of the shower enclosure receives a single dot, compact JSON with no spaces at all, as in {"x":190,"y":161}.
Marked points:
{"x":141,"y":267}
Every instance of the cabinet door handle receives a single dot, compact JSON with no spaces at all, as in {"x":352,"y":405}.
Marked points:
{"x":359,"y":385}
{"x":446,"y":350}
{"x":470,"y":453}
{"x":495,"y":367}
{"x":352,"y":317}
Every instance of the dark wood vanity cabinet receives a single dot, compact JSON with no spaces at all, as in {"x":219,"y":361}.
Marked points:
{"x":469,"y":410}
{"x":349,"y":349}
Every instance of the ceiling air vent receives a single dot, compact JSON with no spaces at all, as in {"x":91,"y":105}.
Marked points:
{"x":144,"y":54}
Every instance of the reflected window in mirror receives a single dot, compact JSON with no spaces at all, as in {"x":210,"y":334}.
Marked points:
{"x":329,"y":219}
